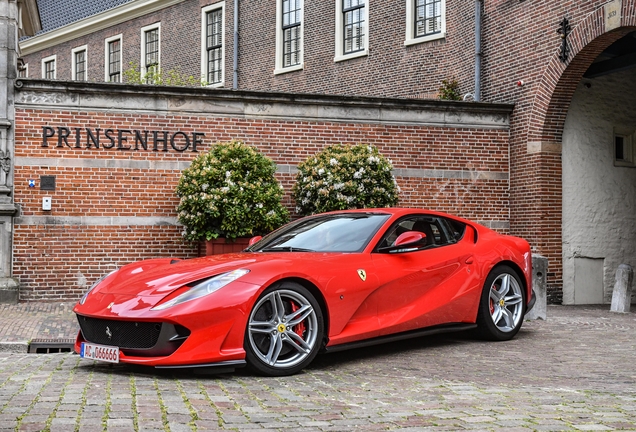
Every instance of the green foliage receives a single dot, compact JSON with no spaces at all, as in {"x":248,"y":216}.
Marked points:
{"x":230,"y":192}
{"x":345,"y":177}
{"x":449,"y":90}
{"x":156,"y":76}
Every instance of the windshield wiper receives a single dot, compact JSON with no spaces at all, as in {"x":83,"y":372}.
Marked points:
{"x":285,"y":249}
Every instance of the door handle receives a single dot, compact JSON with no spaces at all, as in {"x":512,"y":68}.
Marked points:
{"x":469,"y":260}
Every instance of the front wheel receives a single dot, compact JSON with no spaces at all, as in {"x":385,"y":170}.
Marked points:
{"x":502,"y":305}
{"x":284,"y":331}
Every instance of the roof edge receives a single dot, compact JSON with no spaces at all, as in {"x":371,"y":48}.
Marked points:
{"x":93,"y":23}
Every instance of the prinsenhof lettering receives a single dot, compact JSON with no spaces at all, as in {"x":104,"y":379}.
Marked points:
{"x":121,"y":139}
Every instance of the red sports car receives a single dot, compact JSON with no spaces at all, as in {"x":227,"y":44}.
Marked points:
{"x":326,"y":282}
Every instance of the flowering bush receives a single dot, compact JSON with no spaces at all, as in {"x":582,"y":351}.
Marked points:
{"x":345,"y":177}
{"x":230,"y":192}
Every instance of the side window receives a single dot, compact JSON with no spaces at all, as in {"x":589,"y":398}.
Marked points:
{"x":439,"y":231}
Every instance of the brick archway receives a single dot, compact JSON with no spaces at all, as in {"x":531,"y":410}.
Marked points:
{"x":558,"y":83}
{"x":537,"y":192}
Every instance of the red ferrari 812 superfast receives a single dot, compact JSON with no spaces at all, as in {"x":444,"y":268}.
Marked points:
{"x":322,"y":283}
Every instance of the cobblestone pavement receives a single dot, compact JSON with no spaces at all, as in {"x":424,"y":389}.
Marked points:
{"x":575,"y":371}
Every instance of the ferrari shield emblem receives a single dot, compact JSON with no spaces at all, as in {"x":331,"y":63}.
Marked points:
{"x":362,"y":274}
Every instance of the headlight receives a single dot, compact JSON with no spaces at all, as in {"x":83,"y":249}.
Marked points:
{"x":208,"y":287}
{"x":83,"y":299}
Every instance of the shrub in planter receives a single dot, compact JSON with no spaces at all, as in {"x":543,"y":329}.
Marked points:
{"x":345,"y":177}
{"x":230,"y":192}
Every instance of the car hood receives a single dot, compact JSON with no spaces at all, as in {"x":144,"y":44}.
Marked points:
{"x":159,"y":277}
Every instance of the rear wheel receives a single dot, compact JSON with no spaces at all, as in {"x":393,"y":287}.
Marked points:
{"x":284,"y":331}
{"x":502,"y":305}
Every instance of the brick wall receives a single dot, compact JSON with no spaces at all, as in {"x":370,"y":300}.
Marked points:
{"x":111,"y":207}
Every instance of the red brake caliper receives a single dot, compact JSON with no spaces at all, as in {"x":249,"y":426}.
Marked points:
{"x":300,"y":328}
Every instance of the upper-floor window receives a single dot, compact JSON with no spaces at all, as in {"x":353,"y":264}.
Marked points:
{"x":113,"y":59}
{"x":352,"y":30}
{"x":48,"y":67}
{"x":150,"y":48}
{"x":79,"y":71}
{"x":425,"y":20}
{"x":289,"y":45}
{"x":212,"y":46}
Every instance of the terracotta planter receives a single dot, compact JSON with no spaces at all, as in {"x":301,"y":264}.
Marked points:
{"x":221,"y":246}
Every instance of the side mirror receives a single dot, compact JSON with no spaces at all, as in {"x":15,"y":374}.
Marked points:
{"x":254,"y":240}
{"x":406,"y":242}
{"x":410,"y":238}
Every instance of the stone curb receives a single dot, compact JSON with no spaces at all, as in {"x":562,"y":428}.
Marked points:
{"x":15,"y":347}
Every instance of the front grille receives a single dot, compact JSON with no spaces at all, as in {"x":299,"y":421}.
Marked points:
{"x":122,"y":334}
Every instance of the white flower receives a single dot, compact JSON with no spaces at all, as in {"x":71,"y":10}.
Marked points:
{"x":373,"y":159}
{"x":333,"y":162}
{"x":338,"y":186}
{"x":321,"y":171}
{"x":259,"y":205}
{"x":227,"y":174}
{"x":225,"y":189}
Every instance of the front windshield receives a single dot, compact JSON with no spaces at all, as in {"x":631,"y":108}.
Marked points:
{"x":344,"y":232}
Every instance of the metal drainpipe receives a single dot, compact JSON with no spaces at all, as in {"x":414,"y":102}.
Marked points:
{"x":236,"y":36}
{"x":477,"y":50}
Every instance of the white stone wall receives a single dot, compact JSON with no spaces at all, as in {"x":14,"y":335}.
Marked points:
{"x":599,"y":198}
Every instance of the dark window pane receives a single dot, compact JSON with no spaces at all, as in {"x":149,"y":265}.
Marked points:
{"x":428,"y":17}
{"x":214,"y":47}
{"x":620,"y":148}
{"x":114,"y":62}
{"x":354,"y":25}
{"x":49,"y":69}
{"x":80,"y":66}
{"x":152,"y":54}
{"x":291,"y":32}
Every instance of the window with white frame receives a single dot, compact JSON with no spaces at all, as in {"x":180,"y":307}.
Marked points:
{"x":150,"y":52}
{"x":289,"y":35}
{"x":48,"y":67}
{"x":113,"y":59}
{"x":78,"y":69}
{"x":212,"y":44}
{"x":352,"y":29}
{"x":425,"y":20}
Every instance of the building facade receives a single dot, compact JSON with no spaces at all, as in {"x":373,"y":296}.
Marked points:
{"x":556,"y":169}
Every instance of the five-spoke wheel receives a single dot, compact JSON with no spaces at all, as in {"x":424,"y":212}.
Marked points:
{"x":284,"y":331}
{"x":502,"y":305}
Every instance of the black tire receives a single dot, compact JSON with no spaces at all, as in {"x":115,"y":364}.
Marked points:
{"x":502,"y":305}
{"x":273,"y":346}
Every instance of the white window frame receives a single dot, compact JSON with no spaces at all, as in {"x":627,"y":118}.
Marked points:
{"x":107,"y":57}
{"x":204,"y":51}
{"x":410,"y":26}
{"x":279,"y":69}
{"x":142,"y":65}
{"x":74,"y":64}
{"x":340,"y":55}
{"x":45,"y":60}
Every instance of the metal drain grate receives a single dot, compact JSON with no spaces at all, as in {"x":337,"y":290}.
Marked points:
{"x":50,"y":346}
